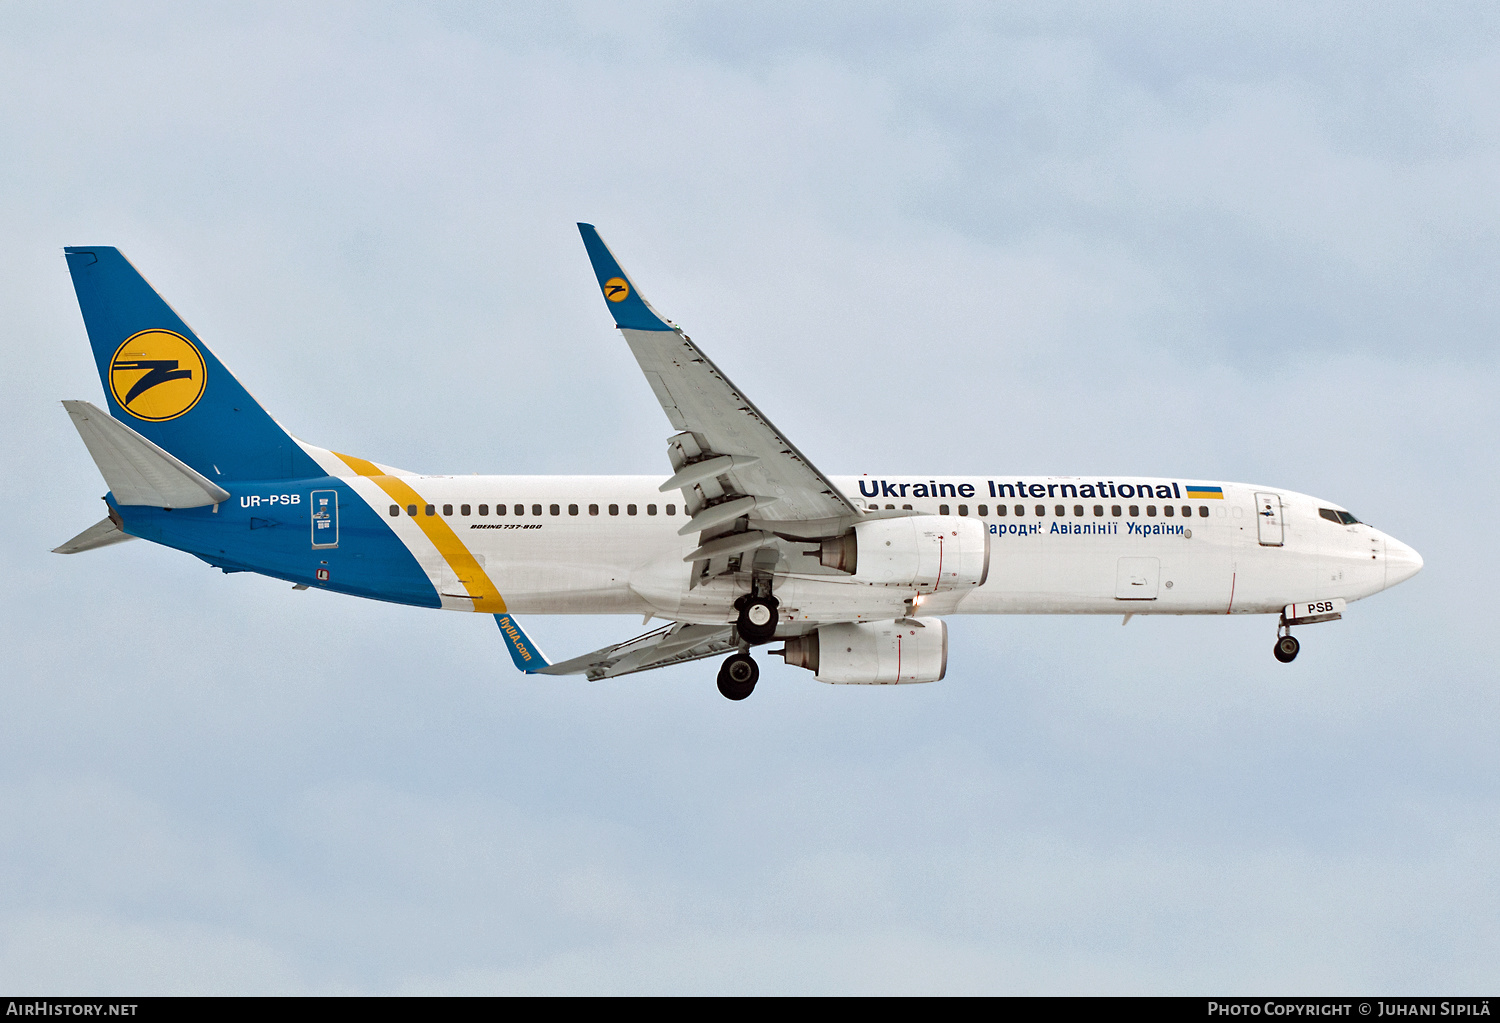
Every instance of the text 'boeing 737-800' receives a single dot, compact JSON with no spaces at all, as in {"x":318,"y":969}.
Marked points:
{"x":746,"y":543}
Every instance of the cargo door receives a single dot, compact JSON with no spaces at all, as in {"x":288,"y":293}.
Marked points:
{"x":1137,"y":578}
{"x":1268,"y":511}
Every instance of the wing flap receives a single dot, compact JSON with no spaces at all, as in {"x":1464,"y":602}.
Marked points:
{"x":677,"y":643}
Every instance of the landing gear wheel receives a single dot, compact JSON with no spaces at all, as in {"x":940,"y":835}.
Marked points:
{"x":737,"y":676}
{"x":1286,"y":649}
{"x":757,"y":621}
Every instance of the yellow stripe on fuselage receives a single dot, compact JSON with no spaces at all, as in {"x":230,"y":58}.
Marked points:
{"x":465,"y":566}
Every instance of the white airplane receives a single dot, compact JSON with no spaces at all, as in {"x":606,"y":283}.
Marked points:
{"x":745,"y":542}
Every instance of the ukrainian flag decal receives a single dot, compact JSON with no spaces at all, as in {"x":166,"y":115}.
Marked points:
{"x":1205,"y":493}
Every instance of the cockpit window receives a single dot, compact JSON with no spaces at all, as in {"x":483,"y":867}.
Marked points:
{"x":1343,"y":518}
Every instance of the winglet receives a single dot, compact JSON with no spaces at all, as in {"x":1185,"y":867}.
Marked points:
{"x":527,"y":655}
{"x":625,"y":303}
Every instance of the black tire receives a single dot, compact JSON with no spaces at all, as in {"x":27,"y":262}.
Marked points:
{"x":737,"y":677}
{"x":758,"y":619}
{"x":1286,"y":649}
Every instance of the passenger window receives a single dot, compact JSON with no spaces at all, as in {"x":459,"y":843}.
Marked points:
{"x":593,"y":509}
{"x":1187,"y":511}
{"x":1135,"y":511}
{"x":1151,"y":510}
{"x":521,"y":509}
{"x":411,"y":510}
{"x":1059,"y":511}
{"x":963,"y":509}
{"x":1114,"y":510}
{"x":630,"y":509}
{"x":429,"y":510}
{"x":890,"y":507}
{"x":1098,"y":511}
{"x":906,"y":507}
{"x":395,"y":510}
{"x":650,"y":509}
{"x":1041,"y":510}
{"x":984,"y":510}
{"x":572,"y":509}
{"x":447,"y":509}
{"x":671,"y":509}
{"x":1020,"y":509}
{"x":464,"y":509}
{"x":554,"y":509}
{"x":614,"y":509}
{"x":1168,"y":510}
{"x":484,"y":509}
{"x":1203,"y":511}
{"x":943,"y":509}
{"x":499,"y":509}
{"x":1000,"y":510}
{"x":536,"y":509}
{"x":1078,"y":511}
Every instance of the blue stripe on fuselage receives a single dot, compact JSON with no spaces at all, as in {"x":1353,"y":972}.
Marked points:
{"x":275,"y":539}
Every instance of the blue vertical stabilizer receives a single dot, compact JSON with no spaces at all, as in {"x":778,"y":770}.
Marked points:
{"x":163,"y":382}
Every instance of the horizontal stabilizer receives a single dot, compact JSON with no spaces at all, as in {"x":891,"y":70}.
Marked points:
{"x":137,"y":471}
{"x":100,"y":534}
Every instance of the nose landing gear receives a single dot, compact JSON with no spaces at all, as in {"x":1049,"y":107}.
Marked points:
{"x":1286,"y":644}
{"x":738,"y":675}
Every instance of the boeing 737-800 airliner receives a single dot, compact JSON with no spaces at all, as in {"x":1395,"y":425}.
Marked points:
{"x":745,"y":543}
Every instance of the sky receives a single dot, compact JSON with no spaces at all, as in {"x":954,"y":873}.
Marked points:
{"x":1252,"y":241}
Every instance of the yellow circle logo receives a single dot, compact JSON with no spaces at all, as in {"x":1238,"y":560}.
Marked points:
{"x":616,"y":289}
{"x":157,"y":375}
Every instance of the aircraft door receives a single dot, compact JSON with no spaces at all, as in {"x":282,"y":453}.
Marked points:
{"x":1137,"y":578}
{"x":1268,"y":512}
{"x":325,"y":518}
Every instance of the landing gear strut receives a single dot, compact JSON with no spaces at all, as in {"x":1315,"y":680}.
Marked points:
{"x":738,"y":675}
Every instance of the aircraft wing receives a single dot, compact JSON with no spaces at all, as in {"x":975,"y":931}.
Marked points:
{"x":677,"y":643}
{"x":739,"y":475}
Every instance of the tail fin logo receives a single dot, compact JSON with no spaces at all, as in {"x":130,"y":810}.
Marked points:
{"x":617,"y":289}
{"x":157,"y":375}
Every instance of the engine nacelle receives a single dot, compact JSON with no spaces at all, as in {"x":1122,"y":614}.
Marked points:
{"x":927,"y":553}
{"x":874,"y":653}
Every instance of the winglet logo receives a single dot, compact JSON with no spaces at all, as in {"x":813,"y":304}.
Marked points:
{"x":157,"y":375}
{"x":617,"y":289}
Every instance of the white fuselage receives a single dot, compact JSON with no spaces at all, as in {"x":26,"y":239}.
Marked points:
{"x":611,"y":544}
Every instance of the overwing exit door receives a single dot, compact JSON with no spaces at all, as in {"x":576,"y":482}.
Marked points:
{"x":1268,"y":512}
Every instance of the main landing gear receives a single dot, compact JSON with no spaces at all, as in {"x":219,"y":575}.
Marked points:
{"x":738,"y":675}
{"x":757,"y":621}
{"x":758,"y":615}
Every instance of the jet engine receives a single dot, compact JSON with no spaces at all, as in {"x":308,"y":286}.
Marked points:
{"x":928,"y":553}
{"x":873,"y":653}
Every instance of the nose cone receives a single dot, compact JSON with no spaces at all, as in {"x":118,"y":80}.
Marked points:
{"x":1401,"y":562}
